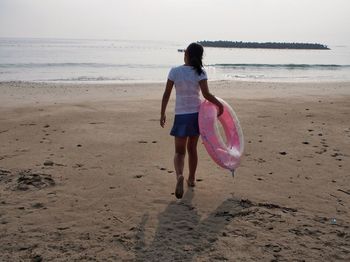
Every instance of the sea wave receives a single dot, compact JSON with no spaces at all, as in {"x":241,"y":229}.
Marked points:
{"x":88,"y":79}
{"x":288,"y":66}
{"x":89,"y":65}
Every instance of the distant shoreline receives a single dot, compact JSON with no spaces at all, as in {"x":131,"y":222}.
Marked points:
{"x":265,"y":45}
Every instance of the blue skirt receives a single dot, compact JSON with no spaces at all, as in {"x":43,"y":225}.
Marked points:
{"x":185,"y":125}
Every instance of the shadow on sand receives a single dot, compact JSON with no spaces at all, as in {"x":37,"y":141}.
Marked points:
{"x":181,"y":235}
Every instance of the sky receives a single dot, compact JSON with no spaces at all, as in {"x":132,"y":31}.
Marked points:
{"x":322,"y":21}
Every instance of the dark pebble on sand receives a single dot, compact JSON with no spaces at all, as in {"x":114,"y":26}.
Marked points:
{"x":154,"y":142}
{"x":79,"y":145}
{"x":38,"y":205}
{"x":48,"y":163}
{"x":37,"y":258}
{"x":162,"y":168}
{"x":138,"y":176}
{"x":283,"y":153}
{"x":63,"y":228}
{"x":320,"y":134}
{"x":21,"y":248}
{"x":306,"y":143}
{"x":46,"y":126}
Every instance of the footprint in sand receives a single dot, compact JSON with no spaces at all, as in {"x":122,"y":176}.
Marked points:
{"x":29,"y":180}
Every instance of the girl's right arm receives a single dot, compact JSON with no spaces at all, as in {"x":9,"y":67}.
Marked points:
{"x":211,"y":98}
{"x":165,"y":100}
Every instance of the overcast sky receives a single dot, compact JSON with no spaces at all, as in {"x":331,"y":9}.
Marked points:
{"x":324,"y":21}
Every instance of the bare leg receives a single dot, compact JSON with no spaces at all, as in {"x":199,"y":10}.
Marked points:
{"x":192,"y":159}
{"x":179,"y":161}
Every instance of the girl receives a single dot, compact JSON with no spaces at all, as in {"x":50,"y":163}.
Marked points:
{"x":188,"y":79}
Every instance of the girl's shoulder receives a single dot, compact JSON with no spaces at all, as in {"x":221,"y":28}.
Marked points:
{"x":175,"y":71}
{"x":178,"y":67}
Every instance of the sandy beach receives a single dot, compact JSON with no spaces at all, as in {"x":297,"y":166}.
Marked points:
{"x":86,"y":174}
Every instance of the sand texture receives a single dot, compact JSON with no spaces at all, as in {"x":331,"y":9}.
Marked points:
{"x":86,"y":174}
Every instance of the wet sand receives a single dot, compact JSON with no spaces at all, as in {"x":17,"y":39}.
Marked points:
{"x":86,"y":173}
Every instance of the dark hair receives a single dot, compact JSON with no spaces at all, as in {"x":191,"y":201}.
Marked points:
{"x":195,"y":56}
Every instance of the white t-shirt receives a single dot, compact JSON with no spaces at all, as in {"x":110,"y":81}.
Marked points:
{"x":187,"y":88}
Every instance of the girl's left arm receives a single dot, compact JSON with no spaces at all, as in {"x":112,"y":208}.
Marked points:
{"x":165,"y":100}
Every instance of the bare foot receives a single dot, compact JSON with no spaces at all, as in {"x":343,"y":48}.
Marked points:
{"x":179,"y":191}
{"x":191,"y":183}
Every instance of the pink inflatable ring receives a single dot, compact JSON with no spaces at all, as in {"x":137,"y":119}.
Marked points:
{"x":226,"y":155}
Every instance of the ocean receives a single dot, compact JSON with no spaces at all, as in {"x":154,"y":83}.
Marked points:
{"x":121,"y":61}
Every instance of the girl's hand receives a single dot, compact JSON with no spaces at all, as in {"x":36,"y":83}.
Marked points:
{"x":162,"y":120}
{"x":221,"y":110}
